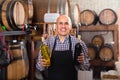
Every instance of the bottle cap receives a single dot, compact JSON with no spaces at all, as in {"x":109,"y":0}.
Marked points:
{"x":42,"y":39}
{"x":79,"y":37}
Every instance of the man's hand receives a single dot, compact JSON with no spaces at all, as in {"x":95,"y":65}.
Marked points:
{"x":81,"y":58}
{"x":44,"y":62}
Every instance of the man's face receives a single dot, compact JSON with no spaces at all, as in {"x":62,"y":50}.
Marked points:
{"x":63,"y":26}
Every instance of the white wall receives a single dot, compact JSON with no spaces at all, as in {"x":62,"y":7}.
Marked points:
{"x":97,"y":5}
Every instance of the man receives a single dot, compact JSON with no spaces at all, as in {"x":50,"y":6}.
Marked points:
{"x":62,"y":58}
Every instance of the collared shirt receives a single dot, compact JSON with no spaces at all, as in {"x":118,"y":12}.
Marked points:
{"x":61,"y":46}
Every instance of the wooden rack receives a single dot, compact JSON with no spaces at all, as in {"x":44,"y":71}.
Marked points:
{"x":97,"y":65}
{"x":113,"y":28}
{"x":29,"y":49}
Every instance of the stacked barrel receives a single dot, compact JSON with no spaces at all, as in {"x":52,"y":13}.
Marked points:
{"x":99,"y":50}
{"x":14,"y":14}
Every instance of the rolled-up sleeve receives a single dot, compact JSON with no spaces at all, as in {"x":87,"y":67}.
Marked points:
{"x":86,"y":64}
{"x":38,"y":63}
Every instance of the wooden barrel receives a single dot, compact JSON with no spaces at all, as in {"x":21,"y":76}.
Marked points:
{"x":37,"y":38}
{"x":1,"y":2}
{"x":29,"y":11}
{"x":88,"y":17}
{"x":107,"y":17}
{"x":18,"y":68}
{"x":75,"y":14}
{"x":49,"y":6}
{"x":92,"y":52}
{"x":98,"y":41}
{"x":106,"y":53}
{"x":14,"y":14}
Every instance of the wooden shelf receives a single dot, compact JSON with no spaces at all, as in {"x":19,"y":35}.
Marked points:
{"x":98,"y":28}
{"x":113,"y":28}
{"x":98,"y":62}
{"x":13,"y":33}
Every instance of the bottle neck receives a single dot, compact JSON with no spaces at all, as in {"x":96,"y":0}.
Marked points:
{"x":79,"y":37}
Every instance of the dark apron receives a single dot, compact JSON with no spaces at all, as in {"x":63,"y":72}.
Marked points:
{"x":62,"y":66}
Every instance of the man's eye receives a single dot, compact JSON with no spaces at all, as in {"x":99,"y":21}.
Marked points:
{"x":60,"y":23}
{"x":66,"y":23}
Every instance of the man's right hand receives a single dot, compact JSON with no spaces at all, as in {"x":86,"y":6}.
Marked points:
{"x":44,"y":62}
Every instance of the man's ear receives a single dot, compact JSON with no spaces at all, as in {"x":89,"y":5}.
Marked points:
{"x":70,"y":27}
{"x":73,"y":31}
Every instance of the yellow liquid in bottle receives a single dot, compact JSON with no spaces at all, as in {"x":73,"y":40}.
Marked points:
{"x":46,"y":54}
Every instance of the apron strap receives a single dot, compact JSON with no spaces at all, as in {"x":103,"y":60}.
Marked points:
{"x":54,"y":44}
{"x":70,"y":47}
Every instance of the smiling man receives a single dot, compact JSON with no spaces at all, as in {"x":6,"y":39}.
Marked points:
{"x":62,"y":58}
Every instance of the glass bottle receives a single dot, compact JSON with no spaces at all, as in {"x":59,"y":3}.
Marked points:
{"x":78,"y":51}
{"x":45,"y":52}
